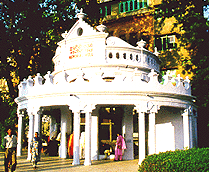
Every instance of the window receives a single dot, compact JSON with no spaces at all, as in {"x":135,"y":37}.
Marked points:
{"x":117,"y":55}
{"x":127,"y":6}
{"x":80,"y":31}
{"x":131,"y":57}
{"x":132,"y":5}
{"x":110,"y":55}
{"x":137,"y":57}
{"x":136,"y":4}
{"x":106,"y":10}
{"x":121,"y":7}
{"x":124,"y":55}
{"x":143,"y":3}
{"x":166,"y":42}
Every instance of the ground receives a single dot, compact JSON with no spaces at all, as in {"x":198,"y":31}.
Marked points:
{"x":54,"y":164}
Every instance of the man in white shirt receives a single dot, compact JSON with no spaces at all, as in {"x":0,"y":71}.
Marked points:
{"x":10,"y":145}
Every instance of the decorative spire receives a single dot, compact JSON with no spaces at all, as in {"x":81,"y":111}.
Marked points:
{"x":186,"y":82}
{"x":49,"y":78}
{"x":30,"y":81}
{"x":178,"y":80}
{"x":64,"y":34}
{"x":141,"y":43}
{"x":38,"y":79}
{"x":156,"y":52}
{"x":81,"y":15}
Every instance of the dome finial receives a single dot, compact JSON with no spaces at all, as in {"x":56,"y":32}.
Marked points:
{"x":141,"y":43}
{"x":81,"y":15}
{"x":156,"y":52}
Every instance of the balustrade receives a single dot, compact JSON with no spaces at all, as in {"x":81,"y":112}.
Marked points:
{"x":129,"y":56}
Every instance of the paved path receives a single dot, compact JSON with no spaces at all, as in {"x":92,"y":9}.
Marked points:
{"x":54,"y":164}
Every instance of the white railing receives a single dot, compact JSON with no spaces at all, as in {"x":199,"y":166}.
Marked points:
{"x":130,"y":56}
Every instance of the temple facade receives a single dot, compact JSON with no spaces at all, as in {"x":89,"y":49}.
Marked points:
{"x":101,"y":85}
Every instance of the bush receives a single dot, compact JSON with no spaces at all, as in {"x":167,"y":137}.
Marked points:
{"x":190,"y":160}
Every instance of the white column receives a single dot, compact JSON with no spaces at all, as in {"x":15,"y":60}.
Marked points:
{"x":87,"y":139}
{"x":30,"y":133}
{"x":65,"y":120}
{"x":141,"y":119}
{"x":151,"y":137}
{"x":20,"y":132}
{"x":76,"y":139}
{"x":128,"y":131}
{"x":191,"y":131}
{"x":195,"y":125}
{"x":37,"y":124}
{"x":186,"y":128}
{"x":94,"y":138}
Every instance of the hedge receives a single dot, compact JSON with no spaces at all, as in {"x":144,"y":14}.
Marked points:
{"x":190,"y":160}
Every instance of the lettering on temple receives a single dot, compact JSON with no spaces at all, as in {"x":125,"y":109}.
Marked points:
{"x":80,"y":50}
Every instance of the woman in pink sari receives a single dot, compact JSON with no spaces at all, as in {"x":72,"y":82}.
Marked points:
{"x":120,"y":145}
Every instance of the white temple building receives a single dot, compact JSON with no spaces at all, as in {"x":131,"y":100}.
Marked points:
{"x":103,"y":85}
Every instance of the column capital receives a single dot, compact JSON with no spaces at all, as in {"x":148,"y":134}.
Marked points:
{"x":147,"y":107}
{"x":188,"y":111}
{"x":89,"y":108}
{"x":141,"y":107}
{"x":152,"y":107}
{"x":34,"y":110}
{"x":75,"y":109}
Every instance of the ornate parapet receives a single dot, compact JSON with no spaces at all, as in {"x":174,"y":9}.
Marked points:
{"x":119,"y":52}
{"x":179,"y":86}
{"x":27,"y":84}
{"x":104,"y":80}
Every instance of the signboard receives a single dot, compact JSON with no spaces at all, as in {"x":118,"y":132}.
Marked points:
{"x":81,"y":50}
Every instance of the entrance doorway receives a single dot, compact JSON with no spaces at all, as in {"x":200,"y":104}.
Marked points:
{"x":110,"y":123}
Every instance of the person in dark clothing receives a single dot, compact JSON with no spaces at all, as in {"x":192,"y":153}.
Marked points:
{"x":52,"y":147}
{"x":10,"y":146}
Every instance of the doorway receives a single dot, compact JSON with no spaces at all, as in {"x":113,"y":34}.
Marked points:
{"x":110,"y":123}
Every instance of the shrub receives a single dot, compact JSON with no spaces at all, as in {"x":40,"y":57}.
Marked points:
{"x":190,"y":160}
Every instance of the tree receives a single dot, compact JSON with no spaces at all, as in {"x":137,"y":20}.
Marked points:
{"x":28,"y":36}
{"x":194,"y":37}
{"x":29,"y":31}
{"x":92,"y":9}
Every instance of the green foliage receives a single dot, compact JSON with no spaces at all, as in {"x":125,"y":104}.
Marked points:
{"x":169,"y":59}
{"x":8,"y":115}
{"x":29,"y":31}
{"x":92,"y":9}
{"x":194,"y":38}
{"x":190,"y":160}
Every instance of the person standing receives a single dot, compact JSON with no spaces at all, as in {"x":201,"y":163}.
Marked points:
{"x":52,"y":147}
{"x":70,"y":146}
{"x":36,"y":146}
{"x":10,"y":145}
{"x":82,"y":145}
{"x":120,"y":146}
